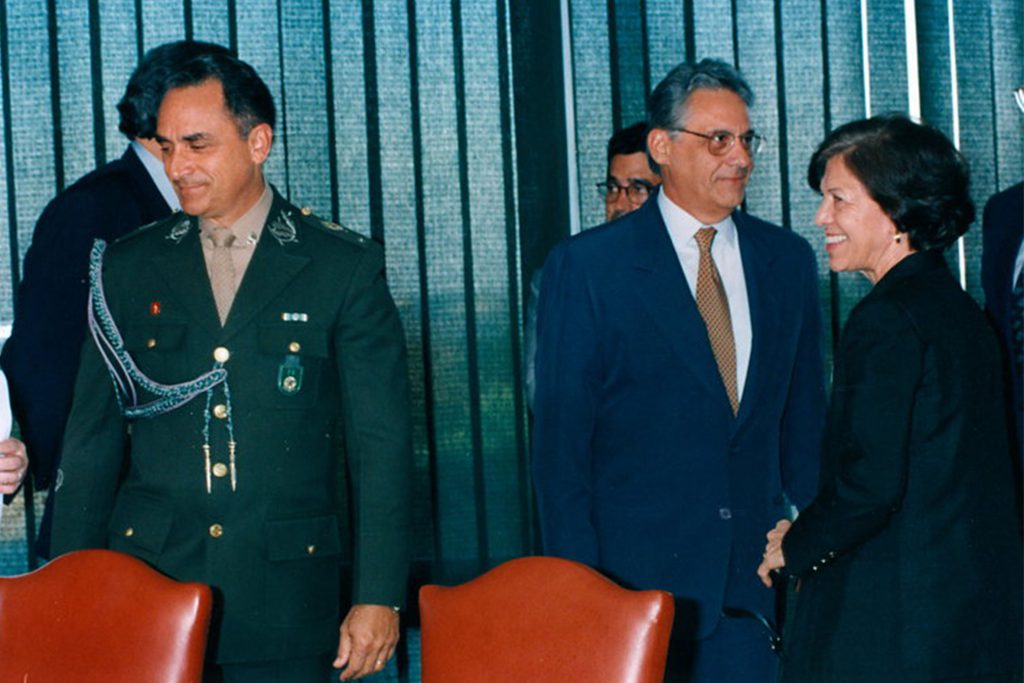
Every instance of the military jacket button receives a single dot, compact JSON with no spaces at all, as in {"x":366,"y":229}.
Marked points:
{"x":150,"y":343}
{"x":216,"y":530}
{"x":220,"y":411}
{"x":220,"y":469}
{"x":310,"y":549}
{"x":221,"y":354}
{"x":295,"y":347}
{"x":129,"y":532}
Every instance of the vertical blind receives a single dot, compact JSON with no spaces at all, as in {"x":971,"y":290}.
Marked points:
{"x":443,"y":129}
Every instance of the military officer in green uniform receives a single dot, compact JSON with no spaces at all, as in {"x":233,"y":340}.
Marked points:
{"x":244,"y":344}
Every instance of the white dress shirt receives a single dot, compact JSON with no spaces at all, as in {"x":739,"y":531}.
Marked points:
{"x":725,"y":250}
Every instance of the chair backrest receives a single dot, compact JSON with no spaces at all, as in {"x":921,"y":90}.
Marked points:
{"x":544,"y":619}
{"x":99,"y":615}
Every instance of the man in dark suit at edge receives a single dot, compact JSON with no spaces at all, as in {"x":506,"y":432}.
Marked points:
{"x":680,"y":391}
{"x":41,"y":356}
{"x":251,"y":340}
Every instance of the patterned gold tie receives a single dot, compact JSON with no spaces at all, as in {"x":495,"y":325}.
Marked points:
{"x":714,"y":308}
{"x":222,"y":271}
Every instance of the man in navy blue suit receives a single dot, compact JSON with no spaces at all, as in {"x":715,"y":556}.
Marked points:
{"x":680,"y":391}
{"x":41,"y":356}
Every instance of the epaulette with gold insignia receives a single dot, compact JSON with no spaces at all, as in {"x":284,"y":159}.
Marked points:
{"x":332,"y":227}
{"x":177,"y":225}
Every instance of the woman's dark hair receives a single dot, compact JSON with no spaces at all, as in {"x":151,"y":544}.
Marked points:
{"x":911,"y":169}
{"x":245,"y":94}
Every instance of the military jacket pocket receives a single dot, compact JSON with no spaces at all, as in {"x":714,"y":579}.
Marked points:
{"x":140,"y":527}
{"x":297,"y":352}
{"x":303,"y":573}
{"x":155,"y":349}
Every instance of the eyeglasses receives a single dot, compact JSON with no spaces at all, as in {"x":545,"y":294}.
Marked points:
{"x":637,"y":191}
{"x":721,"y":141}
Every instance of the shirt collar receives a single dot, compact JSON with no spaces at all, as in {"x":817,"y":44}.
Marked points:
{"x":684,"y":226}
{"x":248,"y":228}
{"x":155,"y":168}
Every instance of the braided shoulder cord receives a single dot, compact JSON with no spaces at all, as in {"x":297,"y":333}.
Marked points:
{"x":124,"y":373}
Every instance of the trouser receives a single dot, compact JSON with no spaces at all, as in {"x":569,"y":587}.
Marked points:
{"x":738,"y":650}
{"x":307,"y":670}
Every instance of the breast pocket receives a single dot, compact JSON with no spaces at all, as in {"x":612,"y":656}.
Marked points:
{"x":155,"y":348}
{"x":296,"y":354}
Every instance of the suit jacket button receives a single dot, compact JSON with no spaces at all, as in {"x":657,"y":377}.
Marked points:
{"x":725,"y":513}
{"x":220,"y":469}
{"x":220,"y":411}
{"x":216,"y":530}
{"x":221,"y":354}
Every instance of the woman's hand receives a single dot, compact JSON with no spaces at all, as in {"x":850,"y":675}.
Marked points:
{"x":772,"y":558}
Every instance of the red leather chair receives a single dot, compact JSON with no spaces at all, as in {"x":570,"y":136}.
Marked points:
{"x":99,"y":615}
{"x":544,"y":619}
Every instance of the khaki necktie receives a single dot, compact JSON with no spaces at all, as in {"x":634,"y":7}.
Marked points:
{"x":222,"y":271}
{"x":714,"y":308}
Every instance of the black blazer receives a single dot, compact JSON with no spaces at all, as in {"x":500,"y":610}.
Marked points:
{"x":1002,"y":232}
{"x":41,"y":356}
{"x":909,"y":559}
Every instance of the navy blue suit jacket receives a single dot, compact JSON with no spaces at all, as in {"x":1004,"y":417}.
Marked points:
{"x":1002,"y":232}
{"x":41,"y":356}
{"x":640,"y":468}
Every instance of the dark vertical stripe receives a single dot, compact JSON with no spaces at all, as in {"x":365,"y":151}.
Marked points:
{"x":282,"y":119}
{"x":233,"y":26}
{"x":12,"y":201}
{"x":613,"y":61}
{"x":689,"y":36}
{"x":512,"y":258}
{"x":646,"y":49}
{"x":993,"y":88}
{"x":780,"y":77}
{"x":734,"y":18}
{"x":58,"y":129}
{"x":373,"y":163}
{"x":421,"y":252}
{"x":472,"y":355}
{"x":826,"y":93}
{"x":332,"y":136}
{"x":187,"y":11}
{"x":99,"y":130}
{"x":140,"y":47}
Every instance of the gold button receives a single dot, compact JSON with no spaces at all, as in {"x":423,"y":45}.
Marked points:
{"x":221,"y":354}
{"x":220,"y":469}
{"x":310,"y":549}
{"x":129,"y":532}
{"x":295,"y":347}
{"x":289,"y":384}
{"x":305,"y":211}
{"x":216,"y":530}
{"x":220,"y":411}
{"x":150,"y":343}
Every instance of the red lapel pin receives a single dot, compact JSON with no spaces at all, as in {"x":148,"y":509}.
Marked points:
{"x":154,"y":308}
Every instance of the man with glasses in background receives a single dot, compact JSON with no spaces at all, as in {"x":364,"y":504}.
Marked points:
{"x":680,"y":393}
{"x":629,"y":182}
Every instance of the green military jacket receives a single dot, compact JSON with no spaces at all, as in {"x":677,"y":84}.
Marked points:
{"x":316,"y":367}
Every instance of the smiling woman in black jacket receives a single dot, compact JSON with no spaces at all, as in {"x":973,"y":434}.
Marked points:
{"x":909,"y":560}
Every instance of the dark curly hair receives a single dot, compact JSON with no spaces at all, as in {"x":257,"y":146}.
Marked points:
{"x":911,"y":169}
{"x":148,"y":83}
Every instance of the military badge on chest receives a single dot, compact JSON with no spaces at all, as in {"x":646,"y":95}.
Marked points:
{"x":289,"y":373}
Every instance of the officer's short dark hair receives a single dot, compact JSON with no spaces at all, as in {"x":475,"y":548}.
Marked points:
{"x":628,"y":141}
{"x":245,"y":94}
{"x":911,"y":170}
{"x":148,"y":83}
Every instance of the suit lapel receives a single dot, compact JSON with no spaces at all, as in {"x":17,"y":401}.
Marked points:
{"x":764,"y":310}
{"x":274,"y":264}
{"x":663,"y":290}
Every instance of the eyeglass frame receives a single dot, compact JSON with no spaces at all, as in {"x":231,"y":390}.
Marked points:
{"x":605,"y":187}
{"x":752,"y":141}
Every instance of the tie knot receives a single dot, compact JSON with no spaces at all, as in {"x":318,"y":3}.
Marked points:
{"x":222,"y":237}
{"x":704,"y":237}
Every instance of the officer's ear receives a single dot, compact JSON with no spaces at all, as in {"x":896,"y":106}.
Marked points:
{"x":261,"y":137}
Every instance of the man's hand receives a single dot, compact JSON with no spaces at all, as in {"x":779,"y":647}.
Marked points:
{"x":773,"y":558}
{"x":368,"y":638}
{"x":13,"y":465}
